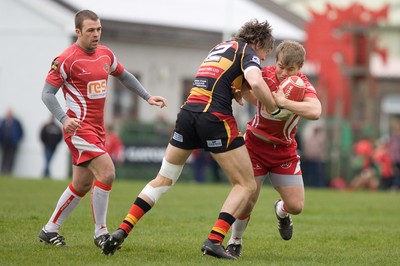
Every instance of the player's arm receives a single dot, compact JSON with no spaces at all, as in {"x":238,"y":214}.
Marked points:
{"x":260,"y":89}
{"x":310,"y":108}
{"x":49,"y":99}
{"x":131,"y":82}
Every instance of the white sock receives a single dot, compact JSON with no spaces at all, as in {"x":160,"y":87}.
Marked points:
{"x":99,"y":201}
{"x":279,"y":209}
{"x":238,"y":228}
{"x":65,"y":205}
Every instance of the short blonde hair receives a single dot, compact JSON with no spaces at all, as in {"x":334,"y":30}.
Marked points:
{"x":290,"y":53}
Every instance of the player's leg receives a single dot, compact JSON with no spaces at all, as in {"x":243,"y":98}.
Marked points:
{"x":291,"y":191}
{"x":235,"y":242}
{"x":183,"y":141}
{"x":169,"y":173}
{"x":292,"y":200}
{"x":82,"y":180}
{"x":237,"y":166}
{"x":83,"y":150}
{"x":103,"y":170}
{"x":258,"y":151}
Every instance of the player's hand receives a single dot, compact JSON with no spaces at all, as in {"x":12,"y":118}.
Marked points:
{"x":158,"y":101}
{"x":279,"y":97}
{"x":71,"y":124}
{"x":237,"y":95}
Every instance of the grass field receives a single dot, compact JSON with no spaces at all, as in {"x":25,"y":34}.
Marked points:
{"x":336,"y":227}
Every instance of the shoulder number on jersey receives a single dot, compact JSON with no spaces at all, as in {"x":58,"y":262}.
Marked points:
{"x":215,"y":55}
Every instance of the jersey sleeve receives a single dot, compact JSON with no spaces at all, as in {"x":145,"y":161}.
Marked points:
{"x":54,"y":76}
{"x":116,"y":67}
{"x":250,"y":59}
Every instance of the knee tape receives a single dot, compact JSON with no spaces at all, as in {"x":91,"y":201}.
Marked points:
{"x":155,"y":193}
{"x":170,"y":171}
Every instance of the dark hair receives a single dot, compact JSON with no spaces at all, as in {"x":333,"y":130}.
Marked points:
{"x":259,"y":33}
{"x":80,"y":16}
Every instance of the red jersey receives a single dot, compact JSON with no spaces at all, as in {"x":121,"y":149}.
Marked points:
{"x":270,"y":129}
{"x":383,"y":158}
{"x":83,"y":77}
{"x":114,"y":147}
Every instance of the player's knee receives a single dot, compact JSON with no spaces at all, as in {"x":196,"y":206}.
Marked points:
{"x":251,"y":187}
{"x":111,"y":176}
{"x":170,"y":171}
{"x":81,"y":187}
{"x":295,"y":208}
{"x":107,"y":177}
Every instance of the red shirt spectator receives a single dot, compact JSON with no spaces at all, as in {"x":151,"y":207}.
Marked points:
{"x":114,"y":146}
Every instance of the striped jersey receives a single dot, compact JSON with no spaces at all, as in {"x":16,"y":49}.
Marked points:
{"x":222,"y":69}
{"x":270,"y":129}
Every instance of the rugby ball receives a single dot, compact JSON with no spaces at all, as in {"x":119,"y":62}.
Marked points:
{"x":294,"y":88}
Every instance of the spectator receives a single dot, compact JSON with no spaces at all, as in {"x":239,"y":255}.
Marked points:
{"x":394,"y":147}
{"x":201,"y":160}
{"x":163,"y":128}
{"x":51,"y":134}
{"x":384,"y":161}
{"x":198,"y":164}
{"x":365,"y":170}
{"x":114,"y":146}
{"x":313,"y":154}
{"x":11,"y":133}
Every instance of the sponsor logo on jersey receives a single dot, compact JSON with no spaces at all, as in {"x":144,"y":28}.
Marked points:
{"x":214,"y":143}
{"x":255,"y":59}
{"x":178,"y":137}
{"x":54,"y":66}
{"x":97,"y":89}
{"x":286,"y":165}
{"x":84,"y":72}
{"x":200,"y":83}
{"x":257,"y":167}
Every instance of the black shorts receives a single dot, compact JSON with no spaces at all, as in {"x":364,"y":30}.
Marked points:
{"x":213,"y":132}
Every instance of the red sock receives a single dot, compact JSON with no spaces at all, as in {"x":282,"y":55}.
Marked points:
{"x":221,"y":227}
{"x":138,"y":209}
